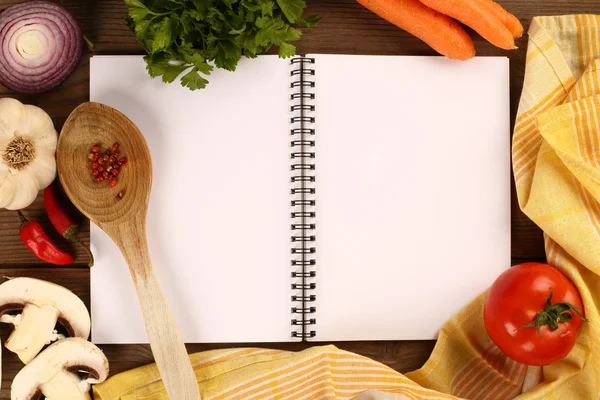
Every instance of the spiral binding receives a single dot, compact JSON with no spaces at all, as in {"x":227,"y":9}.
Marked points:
{"x":302,"y":169}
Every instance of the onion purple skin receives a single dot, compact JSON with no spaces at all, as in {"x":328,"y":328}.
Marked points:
{"x":56,"y":34}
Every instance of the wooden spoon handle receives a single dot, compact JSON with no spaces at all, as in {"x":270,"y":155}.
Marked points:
{"x":165,"y":340}
{"x":167,"y":346}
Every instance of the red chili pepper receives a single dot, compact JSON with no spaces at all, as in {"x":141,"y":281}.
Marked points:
{"x":60,"y":219}
{"x":36,"y":240}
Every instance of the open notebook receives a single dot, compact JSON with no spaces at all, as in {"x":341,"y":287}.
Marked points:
{"x":325,"y":198}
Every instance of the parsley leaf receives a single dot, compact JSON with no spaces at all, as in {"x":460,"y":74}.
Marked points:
{"x":292,"y":9}
{"x":137,"y":14}
{"x":286,"y":50}
{"x":310,"y":21}
{"x":193,"y":80}
{"x":188,"y":38}
{"x":266,"y":7}
{"x":164,"y":68}
{"x":195,"y":58}
{"x":135,"y":3}
{"x":162,"y":35}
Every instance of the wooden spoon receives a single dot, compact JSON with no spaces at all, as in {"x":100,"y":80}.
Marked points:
{"x":124,"y":221}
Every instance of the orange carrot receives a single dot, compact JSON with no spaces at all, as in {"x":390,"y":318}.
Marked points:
{"x":439,"y":31}
{"x":479,"y":18}
{"x":509,"y":20}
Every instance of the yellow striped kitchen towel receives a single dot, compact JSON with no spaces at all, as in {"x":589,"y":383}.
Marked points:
{"x":556,"y":161}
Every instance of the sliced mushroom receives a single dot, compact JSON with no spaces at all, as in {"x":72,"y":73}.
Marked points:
{"x":41,"y":305}
{"x":54,"y":374}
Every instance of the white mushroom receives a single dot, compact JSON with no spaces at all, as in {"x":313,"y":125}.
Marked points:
{"x":41,"y":305}
{"x":55,"y":373}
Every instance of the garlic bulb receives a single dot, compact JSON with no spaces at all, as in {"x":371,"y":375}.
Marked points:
{"x":27,"y":148}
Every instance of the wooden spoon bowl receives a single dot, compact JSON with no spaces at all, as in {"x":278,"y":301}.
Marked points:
{"x":124,"y":220}
{"x":94,"y":123}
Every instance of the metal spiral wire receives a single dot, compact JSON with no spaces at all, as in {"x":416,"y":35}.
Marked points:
{"x":303,"y":201}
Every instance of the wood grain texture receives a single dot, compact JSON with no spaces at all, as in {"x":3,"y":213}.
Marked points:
{"x":124,"y":221}
{"x":346,"y":28}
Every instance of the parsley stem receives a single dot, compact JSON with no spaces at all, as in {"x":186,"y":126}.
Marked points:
{"x":158,"y":14}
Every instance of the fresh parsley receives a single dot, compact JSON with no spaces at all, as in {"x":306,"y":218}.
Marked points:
{"x":190,"y":36}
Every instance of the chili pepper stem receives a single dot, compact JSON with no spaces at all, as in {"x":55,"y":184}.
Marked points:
{"x":22,"y":217}
{"x":88,"y":251}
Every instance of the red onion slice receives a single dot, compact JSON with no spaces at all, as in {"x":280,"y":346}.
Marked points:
{"x":40,"y":46}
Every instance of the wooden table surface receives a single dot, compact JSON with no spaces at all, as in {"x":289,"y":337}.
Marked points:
{"x":346,"y":28}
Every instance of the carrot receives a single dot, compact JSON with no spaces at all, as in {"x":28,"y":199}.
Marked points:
{"x":509,"y":20}
{"x":479,"y":18}
{"x":440,"y":32}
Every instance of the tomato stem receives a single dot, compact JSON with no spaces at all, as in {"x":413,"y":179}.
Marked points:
{"x":552,"y":315}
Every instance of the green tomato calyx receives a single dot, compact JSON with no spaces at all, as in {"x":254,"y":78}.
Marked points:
{"x":552,"y":315}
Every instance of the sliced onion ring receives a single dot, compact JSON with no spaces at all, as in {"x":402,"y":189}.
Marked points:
{"x":40,"y":46}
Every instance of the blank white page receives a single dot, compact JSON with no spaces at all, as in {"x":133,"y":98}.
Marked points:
{"x":218,"y":220}
{"x":413,"y":191}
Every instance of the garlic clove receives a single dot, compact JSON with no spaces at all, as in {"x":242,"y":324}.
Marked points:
{"x":45,"y":170}
{"x":3,"y":200}
{"x":26,"y":188}
{"x":6,"y":135}
{"x":7,"y":190}
{"x":3,"y":170}
{"x":12,"y":113}
{"x":45,"y":142}
{"x":47,"y":151}
{"x":4,"y":173}
{"x":38,"y":126}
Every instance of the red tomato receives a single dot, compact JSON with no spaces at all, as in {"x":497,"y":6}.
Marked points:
{"x":529,"y":302}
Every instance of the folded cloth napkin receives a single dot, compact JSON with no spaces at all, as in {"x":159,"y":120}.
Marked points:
{"x":556,"y":161}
